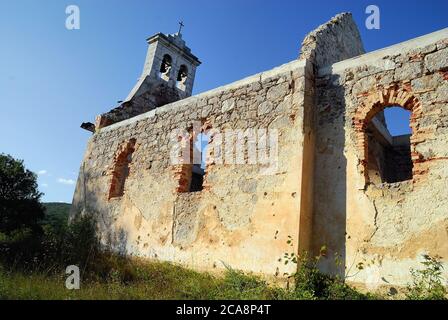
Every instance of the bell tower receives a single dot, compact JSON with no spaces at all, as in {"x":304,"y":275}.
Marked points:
{"x":168,"y":75}
{"x":170,"y":67}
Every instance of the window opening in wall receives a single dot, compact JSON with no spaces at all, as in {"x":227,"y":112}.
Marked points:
{"x":198,"y":170}
{"x":121,"y":170}
{"x":182,"y":77}
{"x":165,"y":67}
{"x":389,"y":147}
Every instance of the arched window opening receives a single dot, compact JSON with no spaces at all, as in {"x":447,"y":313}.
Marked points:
{"x":165,"y":67}
{"x":121,"y":170}
{"x":182,"y":77}
{"x":389,"y":146}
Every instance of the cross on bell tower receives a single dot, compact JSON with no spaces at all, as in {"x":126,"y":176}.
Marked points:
{"x":181,"y":25}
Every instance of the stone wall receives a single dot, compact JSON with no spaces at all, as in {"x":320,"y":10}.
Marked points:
{"x":334,"y":41}
{"x":320,"y":193}
{"x":385,"y":228}
{"x":244,"y":216}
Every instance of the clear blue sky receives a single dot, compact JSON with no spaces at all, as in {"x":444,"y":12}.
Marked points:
{"x":52,"y":79}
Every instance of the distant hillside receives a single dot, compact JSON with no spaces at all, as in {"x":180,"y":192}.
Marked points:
{"x":56,"y":213}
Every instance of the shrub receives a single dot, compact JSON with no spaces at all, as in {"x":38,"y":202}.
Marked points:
{"x":238,"y":285}
{"x":311,"y":283}
{"x":54,"y":249}
{"x":428,"y":283}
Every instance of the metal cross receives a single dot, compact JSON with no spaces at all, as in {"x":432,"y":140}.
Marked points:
{"x":181,"y":24}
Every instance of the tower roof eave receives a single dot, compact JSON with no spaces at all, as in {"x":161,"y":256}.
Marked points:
{"x":180,"y":45}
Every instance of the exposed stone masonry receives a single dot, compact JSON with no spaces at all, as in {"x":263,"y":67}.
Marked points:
{"x":321,"y":109}
{"x":387,"y":226}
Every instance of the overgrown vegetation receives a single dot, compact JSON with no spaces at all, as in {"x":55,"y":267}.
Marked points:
{"x":428,"y":283}
{"x":37,"y":272}
{"x":35,"y":250}
{"x":311,"y":283}
{"x":106,"y":275}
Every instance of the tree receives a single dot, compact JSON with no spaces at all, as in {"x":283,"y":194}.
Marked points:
{"x":20,"y":206}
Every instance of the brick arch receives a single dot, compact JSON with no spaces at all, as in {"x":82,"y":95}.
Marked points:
{"x":377,"y":102}
{"x":121,"y":168}
{"x":183,"y":167}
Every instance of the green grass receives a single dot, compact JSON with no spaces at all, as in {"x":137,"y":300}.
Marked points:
{"x":32,"y":267}
{"x":140,"y":280}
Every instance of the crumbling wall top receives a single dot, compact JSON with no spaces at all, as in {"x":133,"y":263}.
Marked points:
{"x":336,"y":40}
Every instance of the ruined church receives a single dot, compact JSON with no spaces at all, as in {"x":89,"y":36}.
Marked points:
{"x":333,"y":175}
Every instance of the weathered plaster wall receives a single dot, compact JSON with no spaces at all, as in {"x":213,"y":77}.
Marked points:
{"x":242,"y":218}
{"x":321,"y":193}
{"x":386,"y":227}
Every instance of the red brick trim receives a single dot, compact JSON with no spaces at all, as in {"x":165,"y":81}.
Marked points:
{"x":377,"y":101}
{"x":182,"y":172}
{"x":117,"y":182}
